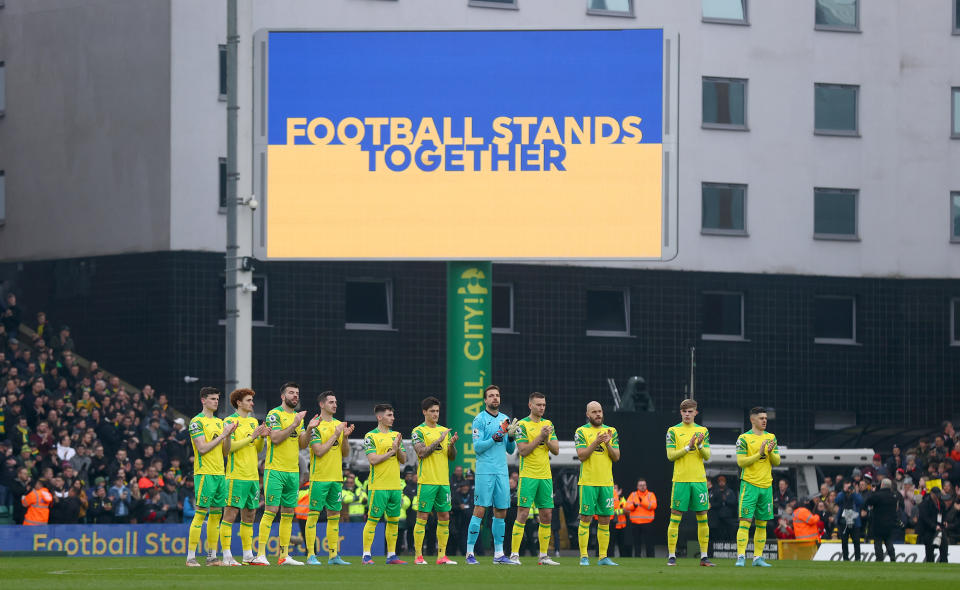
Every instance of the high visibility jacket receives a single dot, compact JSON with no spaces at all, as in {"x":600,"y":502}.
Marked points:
{"x":354,"y":500}
{"x":620,"y":518}
{"x":37,"y":503}
{"x":641,"y":507}
{"x":805,"y":524}
{"x":303,"y":504}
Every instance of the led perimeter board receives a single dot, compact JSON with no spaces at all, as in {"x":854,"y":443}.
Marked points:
{"x":482,"y":144}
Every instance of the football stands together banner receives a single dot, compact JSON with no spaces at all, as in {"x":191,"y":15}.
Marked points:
{"x":461,"y":144}
{"x":93,"y":540}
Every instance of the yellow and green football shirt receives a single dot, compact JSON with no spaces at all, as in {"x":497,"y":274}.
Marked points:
{"x":434,"y":469}
{"x":760,"y":473}
{"x":536,"y":465}
{"x":385,"y":475}
{"x":329,"y":467}
{"x":688,"y":468}
{"x":597,"y":470}
{"x":242,"y":463}
{"x":285,"y":455}
{"x":211,"y":462}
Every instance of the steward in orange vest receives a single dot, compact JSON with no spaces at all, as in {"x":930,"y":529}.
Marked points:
{"x":37,"y":504}
{"x":641,"y":505}
{"x":805,"y":524}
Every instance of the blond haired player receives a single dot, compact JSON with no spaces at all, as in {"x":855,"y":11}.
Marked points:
{"x":688,"y":446}
{"x":598,"y":447}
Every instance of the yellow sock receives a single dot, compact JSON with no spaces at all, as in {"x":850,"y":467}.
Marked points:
{"x":333,"y":535}
{"x":517,"y":536}
{"x":743,"y":537}
{"x":443,"y":535}
{"x":213,"y":530}
{"x":544,"y":534}
{"x":673,"y":531}
{"x":759,"y":538}
{"x":196,"y":527}
{"x":266,"y":521}
{"x":703,"y":534}
{"x":226,"y":535}
{"x":419,"y":531}
{"x":603,"y":539}
{"x":310,"y":532}
{"x":583,"y":536}
{"x":393,"y":528}
{"x":283,"y":534}
{"x":246,"y":537}
{"x":368,"y":530}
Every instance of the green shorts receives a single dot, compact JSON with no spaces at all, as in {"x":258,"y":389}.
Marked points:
{"x":596,"y":500}
{"x":433,"y":497}
{"x":280,"y":488}
{"x":385,"y":502}
{"x":756,"y":502}
{"x":326,"y":495}
{"x":243,"y":493}
{"x":211,"y":490}
{"x":689,"y":495}
{"x":537,"y":492}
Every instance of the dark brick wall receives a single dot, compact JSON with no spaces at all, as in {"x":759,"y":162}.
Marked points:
{"x":154,"y":317}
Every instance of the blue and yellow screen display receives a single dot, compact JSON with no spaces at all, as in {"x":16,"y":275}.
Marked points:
{"x":465,"y":144}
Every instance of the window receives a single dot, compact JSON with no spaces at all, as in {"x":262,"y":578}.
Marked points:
{"x":724,"y":209}
{"x":3,"y":88}
{"x":502,"y":308}
{"x":610,"y":7}
{"x":260,"y":300}
{"x":954,"y":112}
{"x":954,"y":216}
{"x":956,"y":17}
{"x":722,"y":316}
{"x":222,"y":171}
{"x":725,"y":11}
{"x":835,"y":214}
{"x":724,"y":103}
{"x":493,"y":3}
{"x":369,"y":304}
{"x":3,"y":197}
{"x":834,"y":319}
{"x":955,"y":321}
{"x":835,"y":109}
{"x":838,"y":15}
{"x":223,"y":71}
{"x":608,"y":312}
{"x":258,"y":303}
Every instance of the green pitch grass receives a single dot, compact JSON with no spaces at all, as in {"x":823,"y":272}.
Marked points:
{"x":123,"y":573}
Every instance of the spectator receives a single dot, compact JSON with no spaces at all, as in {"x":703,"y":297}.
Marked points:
{"x":169,"y":502}
{"x":784,"y":529}
{"x":151,"y":433}
{"x":19,"y":488}
{"x":783,"y":495}
{"x":11,"y":316}
{"x":101,"y":508}
{"x":63,"y":342}
{"x":951,"y":519}
{"x":65,"y":451}
{"x":883,"y":507}
{"x":119,"y":496}
{"x":850,"y":503}
{"x":930,"y":526}
{"x":462,"y":512}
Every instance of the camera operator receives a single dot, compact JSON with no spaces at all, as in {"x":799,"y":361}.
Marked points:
{"x":884,"y":505}
{"x":849,"y":524}
{"x":931,"y":529}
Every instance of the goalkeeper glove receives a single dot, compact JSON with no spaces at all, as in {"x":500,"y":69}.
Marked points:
{"x":512,"y":428}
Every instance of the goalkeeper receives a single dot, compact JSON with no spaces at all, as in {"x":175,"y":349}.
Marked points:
{"x":493,"y":440}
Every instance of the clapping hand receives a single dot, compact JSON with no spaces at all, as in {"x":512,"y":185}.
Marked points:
{"x":314,"y":422}
{"x":298,"y":418}
{"x":349,"y":429}
{"x":454,"y":437}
